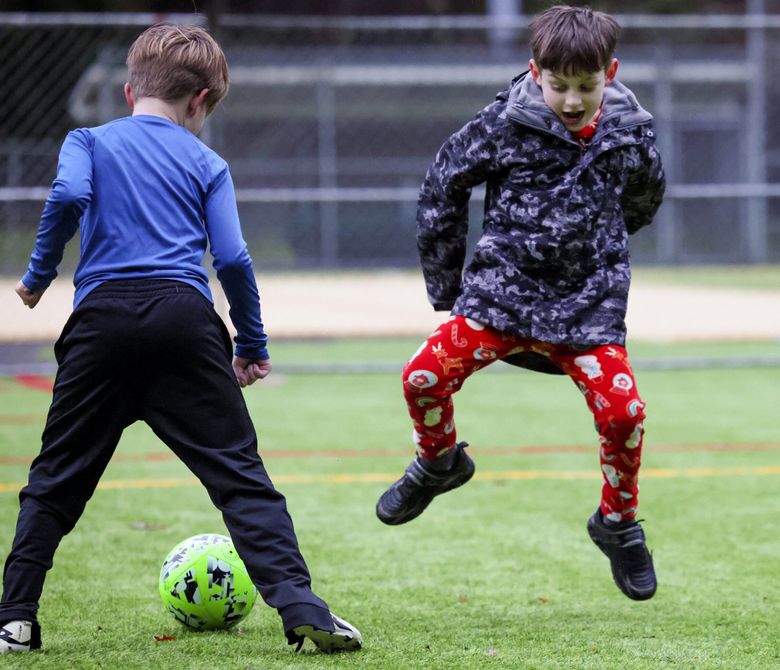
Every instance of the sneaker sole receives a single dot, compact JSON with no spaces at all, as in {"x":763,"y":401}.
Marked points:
{"x":329,"y":641}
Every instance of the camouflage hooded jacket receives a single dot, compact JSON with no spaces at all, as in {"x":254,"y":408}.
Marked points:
{"x":552,"y":262}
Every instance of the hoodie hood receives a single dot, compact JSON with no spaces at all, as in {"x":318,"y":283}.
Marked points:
{"x":526,"y":105}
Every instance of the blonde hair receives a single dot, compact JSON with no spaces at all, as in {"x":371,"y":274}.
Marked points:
{"x":170,"y":62}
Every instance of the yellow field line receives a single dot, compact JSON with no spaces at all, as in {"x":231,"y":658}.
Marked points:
{"x":506,"y":475}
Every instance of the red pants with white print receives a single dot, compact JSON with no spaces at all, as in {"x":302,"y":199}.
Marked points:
{"x":461,"y":346}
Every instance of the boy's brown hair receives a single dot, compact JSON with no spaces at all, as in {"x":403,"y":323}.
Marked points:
{"x":170,"y":62}
{"x":573,"y":39}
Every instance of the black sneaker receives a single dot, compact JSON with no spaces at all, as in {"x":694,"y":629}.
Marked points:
{"x":410,"y":495}
{"x":625,"y":547}
{"x":343,"y":637}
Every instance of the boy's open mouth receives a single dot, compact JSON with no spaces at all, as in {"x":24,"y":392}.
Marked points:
{"x":572,"y":117}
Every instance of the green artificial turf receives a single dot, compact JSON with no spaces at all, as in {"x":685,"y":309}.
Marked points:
{"x":393,"y":352}
{"x":498,"y":574}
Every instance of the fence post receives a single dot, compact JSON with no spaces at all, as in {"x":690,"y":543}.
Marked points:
{"x":755,"y":140}
{"x":667,"y":246}
{"x":326,"y":168}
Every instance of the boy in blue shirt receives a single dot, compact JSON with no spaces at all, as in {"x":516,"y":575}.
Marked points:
{"x":144,"y":341}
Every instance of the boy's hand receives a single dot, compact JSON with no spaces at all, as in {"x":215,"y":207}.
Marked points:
{"x":28,"y":297}
{"x":248,"y":372}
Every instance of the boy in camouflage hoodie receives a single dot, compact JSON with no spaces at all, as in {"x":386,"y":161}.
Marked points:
{"x":570,"y":166}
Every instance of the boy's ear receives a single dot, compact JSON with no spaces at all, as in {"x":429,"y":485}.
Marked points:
{"x":196,"y":102}
{"x":129,"y":96}
{"x":611,"y":70}
{"x":534,"y":70}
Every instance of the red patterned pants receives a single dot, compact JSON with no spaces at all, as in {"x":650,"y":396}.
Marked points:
{"x":461,"y":346}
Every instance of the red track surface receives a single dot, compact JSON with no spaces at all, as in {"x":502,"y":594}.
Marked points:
{"x":36,"y":382}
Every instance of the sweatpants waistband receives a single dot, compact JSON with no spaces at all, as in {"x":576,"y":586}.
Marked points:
{"x":123,"y":288}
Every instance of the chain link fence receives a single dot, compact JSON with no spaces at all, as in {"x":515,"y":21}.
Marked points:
{"x":331,"y":123}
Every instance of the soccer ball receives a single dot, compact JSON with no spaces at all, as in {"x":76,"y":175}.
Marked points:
{"x":204,"y":584}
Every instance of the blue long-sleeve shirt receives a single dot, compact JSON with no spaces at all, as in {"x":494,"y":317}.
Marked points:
{"x":150,"y":198}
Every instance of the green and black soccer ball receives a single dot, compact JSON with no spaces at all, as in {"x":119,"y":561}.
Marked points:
{"x":204,"y":583}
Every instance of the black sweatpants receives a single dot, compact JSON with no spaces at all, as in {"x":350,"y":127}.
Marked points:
{"x":154,"y":351}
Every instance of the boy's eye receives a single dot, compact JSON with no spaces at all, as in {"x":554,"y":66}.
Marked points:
{"x":587,"y":89}
{"x":558,"y":88}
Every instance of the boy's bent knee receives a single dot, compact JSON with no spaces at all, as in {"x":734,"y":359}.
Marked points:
{"x":419,"y":380}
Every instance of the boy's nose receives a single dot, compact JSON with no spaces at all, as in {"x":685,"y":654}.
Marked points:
{"x":573,"y":100}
